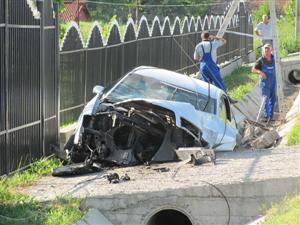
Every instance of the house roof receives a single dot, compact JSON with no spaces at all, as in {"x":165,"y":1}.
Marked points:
{"x":73,"y":8}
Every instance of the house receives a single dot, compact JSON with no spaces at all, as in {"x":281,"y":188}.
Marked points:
{"x":74,"y":10}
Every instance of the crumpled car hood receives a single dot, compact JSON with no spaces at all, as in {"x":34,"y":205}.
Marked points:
{"x":200,"y":119}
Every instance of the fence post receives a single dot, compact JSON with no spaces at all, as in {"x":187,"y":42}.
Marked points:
{"x":242,"y":26}
{"x":247,"y":38}
{"x":6,"y":83}
{"x":42,"y":74}
{"x":85,"y":74}
{"x":57,"y":72}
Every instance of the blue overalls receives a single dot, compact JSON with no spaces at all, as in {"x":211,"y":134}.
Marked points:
{"x":209,"y":70}
{"x":268,"y":87}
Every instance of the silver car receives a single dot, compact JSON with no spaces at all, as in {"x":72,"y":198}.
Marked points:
{"x":148,"y":114}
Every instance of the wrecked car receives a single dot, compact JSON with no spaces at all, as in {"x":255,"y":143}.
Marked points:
{"x":147,"y":115}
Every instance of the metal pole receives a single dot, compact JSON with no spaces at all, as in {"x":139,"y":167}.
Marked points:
{"x":297,"y":24}
{"x":279,"y":79}
{"x":262,"y":106}
{"x":57,"y":72}
{"x":137,"y":12}
{"x":6,"y":84}
{"x":42,"y":74}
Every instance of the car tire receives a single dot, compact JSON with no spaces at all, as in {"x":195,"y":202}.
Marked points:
{"x":75,"y":156}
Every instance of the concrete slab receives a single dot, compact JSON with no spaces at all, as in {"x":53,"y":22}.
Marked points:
{"x":81,"y":222}
{"x":94,"y":217}
{"x":290,"y":120}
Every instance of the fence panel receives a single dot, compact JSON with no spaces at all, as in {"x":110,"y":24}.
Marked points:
{"x":166,"y":45}
{"x":143,"y":46}
{"x":185,"y":62}
{"x":3,"y":161}
{"x":50,"y":85}
{"x":3,"y":157}
{"x":192,"y":43}
{"x":2,"y":68}
{"x":23,"y":87}
{"x":176,"y":47}
{"x":28,"y":86}
{"x":130,"y":47}
{"x":156,"y":45}
{"x":95,"y":60}
{"x":114,"y":56}
{"x":72,"y":80}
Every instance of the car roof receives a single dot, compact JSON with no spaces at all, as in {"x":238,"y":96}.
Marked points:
{"x":179,"y":80}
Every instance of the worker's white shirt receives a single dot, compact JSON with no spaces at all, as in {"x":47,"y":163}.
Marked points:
{"x":265,"y":30}
{"x":215,"y":44}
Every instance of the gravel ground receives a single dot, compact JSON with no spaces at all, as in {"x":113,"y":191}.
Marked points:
{"x":231,"y":167}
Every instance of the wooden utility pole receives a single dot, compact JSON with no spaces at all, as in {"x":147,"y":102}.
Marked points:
{"x":279,"y":80}
{"x":137,"y":2}
{"x":297,"y":24}
{"x":226,"y":21}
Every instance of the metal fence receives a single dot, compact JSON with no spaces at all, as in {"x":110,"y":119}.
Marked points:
{"x":34,"y":98}
{"x":162,"y":44}
{"x":28,"y":82}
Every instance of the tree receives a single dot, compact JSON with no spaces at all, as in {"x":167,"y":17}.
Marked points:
{"x":106,"y":11}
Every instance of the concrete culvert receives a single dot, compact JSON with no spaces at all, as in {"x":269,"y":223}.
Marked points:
{"x":294,"y":76}
{"x":169,"y":217}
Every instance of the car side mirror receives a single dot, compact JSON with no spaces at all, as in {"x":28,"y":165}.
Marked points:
{"x":98,"y":89}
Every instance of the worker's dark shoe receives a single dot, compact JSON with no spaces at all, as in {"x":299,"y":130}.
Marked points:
{"x":265,"y":120}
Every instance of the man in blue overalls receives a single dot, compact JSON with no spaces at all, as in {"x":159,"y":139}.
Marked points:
{"x":265,"y":67}
{"x":206,"y":53}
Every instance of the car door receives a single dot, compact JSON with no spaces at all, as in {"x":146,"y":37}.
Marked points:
{"x":228,"y":140}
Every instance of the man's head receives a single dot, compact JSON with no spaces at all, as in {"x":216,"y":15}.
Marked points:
{"x":267,"y":50}
{"x":205,"y":35}
{"x":265,"y":19}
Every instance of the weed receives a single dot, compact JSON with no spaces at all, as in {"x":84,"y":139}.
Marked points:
{"x":284,"y":212}
{"x":240,"y":82}
{"x":294,"y":135}
{"x":18,"y":208}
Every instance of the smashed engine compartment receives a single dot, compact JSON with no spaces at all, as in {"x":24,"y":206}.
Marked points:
{"x":131,"y":133}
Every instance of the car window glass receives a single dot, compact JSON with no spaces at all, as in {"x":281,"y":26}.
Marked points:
{"x":222,"y":110}
{"x":137,"y":86}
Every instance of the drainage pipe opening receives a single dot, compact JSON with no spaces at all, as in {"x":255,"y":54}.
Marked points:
{"x":169,"y":216}
{"x":294,"y":76}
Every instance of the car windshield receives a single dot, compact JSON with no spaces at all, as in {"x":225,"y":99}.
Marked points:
{"x":138,"y":86}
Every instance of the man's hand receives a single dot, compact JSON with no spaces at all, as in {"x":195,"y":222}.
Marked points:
{"x":258,"y":33}
{"x":263,"y":76}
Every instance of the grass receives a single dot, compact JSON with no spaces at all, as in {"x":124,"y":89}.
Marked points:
{"x":294,"y":135}
{"x":67,"y":123}
{"x":18,"y":208}
{"x":240,"y":82}
{"x":286,"y":212}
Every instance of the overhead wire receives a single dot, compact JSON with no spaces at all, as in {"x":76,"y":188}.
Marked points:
{"x":157,"y":5}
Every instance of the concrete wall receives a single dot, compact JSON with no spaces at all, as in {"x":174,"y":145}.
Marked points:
{"x":202,"y":205}
{"x":289,"y":64}
{"x":227,"y":68}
